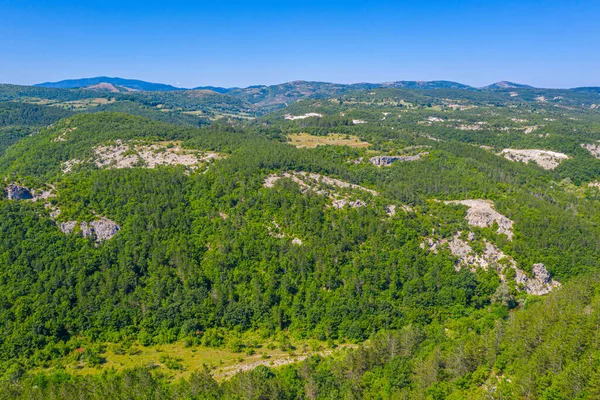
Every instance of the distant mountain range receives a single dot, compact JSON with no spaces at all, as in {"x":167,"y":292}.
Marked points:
{"x":507,"y":85}
{"x":134,"y":84}
{"x":271,"y":97}
{"x":130,"y":84}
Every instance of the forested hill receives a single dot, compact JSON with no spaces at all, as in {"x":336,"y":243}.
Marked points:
{"x":132,"y":84}
{"x":386,"y":243}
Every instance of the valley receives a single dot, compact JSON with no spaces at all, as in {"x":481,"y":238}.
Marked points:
{"x":300,"y":240}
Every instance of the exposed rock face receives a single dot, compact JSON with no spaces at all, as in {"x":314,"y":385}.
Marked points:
{"x":482,"y":214}
{"x":388,"y":160}
{"x":494,"y":258}
{"x":67,"y":227}
{"x":323,"y":186}
{"x":544,"y":158}
{"x":99,"y":230}
{"x":341,"y":203}
{"x":295,"y":117}
{"x":594,"y":149}
{"x":131,"y":154}
{"x":489,"y":258}
{"x":16,"y":192}
{"x":541,"y":283}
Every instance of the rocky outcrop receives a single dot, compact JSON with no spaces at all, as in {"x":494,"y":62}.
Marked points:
{"x":541,"y":283}
{"x":100,"y":230}
{"x":388,"y":160}
{"x":341,"y":203}
{"x":323,"y":186}
{"x":482,"y":214}
{"x":593,"y":148}
{"x":492,"y":258}
{"x":16,"y":192}
{"x":67,"y":227}
{"x":544,"y":158}
{"x":120,"y":154}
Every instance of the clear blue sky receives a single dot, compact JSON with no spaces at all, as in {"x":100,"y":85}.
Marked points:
{"x":240,"y":43}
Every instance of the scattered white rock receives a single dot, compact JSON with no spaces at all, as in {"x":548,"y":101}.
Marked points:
{"x":358,"y":121}
{"x":514,"y":94}
{"x":541,"y":283}
{"x":495,"y":259}
{"x":407,"y":208}
{"x":308,"y":115}
{"x":128,"y":155}
{"x":302,"y":177}
{"x":541,"y":99}
{"x":67,"y":227}
{"x":391,"y":210}
{"x":388,"y":160}
{"x":529,"y":129}
{"x":321,"y":185}
{"x":100,"y":230}
{"x":62,"y":137}
{"x":296,"y":242}
{"x":341,"y":203}
{"x":481,"y":213}
{"x":544,"y":158}
{"x":67,"y":166}
{"x":472,"y":127}
{"x":593,"y":148}
{"x":595,"y":184}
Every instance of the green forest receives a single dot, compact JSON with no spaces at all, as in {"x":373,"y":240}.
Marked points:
{"x":463,"y":265}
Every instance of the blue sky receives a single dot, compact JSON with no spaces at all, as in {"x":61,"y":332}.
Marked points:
{"x":240,"y":43}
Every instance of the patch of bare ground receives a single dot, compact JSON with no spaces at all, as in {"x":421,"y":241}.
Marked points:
{"x":481,"y":213}
{"x":380,"y":161}
{"x":304,"y":116}
{"x":544,"y":158}
{"x":323,"y":186}
{"x":305,"y":140}
{"x":593,"y":148}
{"x":283,"y":359}
{"x":472,"y":127}
{"x":131,"y":154}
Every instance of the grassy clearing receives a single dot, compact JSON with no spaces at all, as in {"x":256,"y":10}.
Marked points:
{"x":177,"y":360}
{"x":83,"y":104}
{"x":304,"y":140}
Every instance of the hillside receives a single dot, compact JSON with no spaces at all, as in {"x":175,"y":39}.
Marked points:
{"x":507,"y":85}
{"x":420,"y":230}
{"x":132,"y":84}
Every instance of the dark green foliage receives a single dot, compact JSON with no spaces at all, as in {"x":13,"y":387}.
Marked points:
{"x":197,"y":258}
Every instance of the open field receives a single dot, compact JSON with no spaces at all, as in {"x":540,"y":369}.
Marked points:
{"x":177,"y":360}
{"x":304,"y":140}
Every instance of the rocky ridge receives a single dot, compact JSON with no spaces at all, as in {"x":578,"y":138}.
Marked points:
{"x":481,"y":213}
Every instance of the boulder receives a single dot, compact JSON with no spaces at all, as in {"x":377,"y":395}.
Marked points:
{"x":16,"y":192}
{"x":100,"y":230}
{"x":67,"y":227}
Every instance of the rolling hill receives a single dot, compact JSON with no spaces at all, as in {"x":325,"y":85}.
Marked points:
{"x":132,"y":84}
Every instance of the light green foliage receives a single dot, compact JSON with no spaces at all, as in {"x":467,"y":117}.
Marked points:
{"x":195,"y":260}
